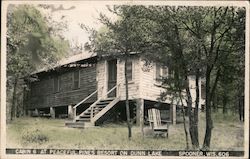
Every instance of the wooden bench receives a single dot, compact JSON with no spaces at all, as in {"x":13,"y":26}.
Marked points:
{"x":155,"y":123}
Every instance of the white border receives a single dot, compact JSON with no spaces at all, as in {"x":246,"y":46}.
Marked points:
{"x":132,"y":2}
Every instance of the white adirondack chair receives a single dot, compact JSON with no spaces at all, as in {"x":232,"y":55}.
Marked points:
{"x":155,"y":123}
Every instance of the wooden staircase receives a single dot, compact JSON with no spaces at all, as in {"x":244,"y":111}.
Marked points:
{"x":93,"y":113}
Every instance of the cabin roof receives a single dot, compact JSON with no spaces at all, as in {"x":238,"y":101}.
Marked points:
{"x":68,"y":60}
{"x":73,"y":59}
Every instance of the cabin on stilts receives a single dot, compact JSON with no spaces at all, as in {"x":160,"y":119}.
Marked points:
{"x":90,"y":90}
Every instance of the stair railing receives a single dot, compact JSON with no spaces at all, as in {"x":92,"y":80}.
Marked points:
{"x":92,"y":106}
{"x":85,"y":99}
{"x":91,"y":113}
{"x":116,"y":86}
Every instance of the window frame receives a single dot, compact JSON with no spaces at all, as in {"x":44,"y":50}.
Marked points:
{"x":203,"y":90}
{"x":158,"y":77}
{"x":56,"y":82}
{"x":75,"y":87}
{"x":132,"y":70}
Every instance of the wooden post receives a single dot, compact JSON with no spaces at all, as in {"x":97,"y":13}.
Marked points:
{"x":52,"y":112}
{"x":173,"y":114}
{"x":91,"y":113}
{"x":140,"y":112}
{"x":70,"y":112}
{"x":74,"y":114}
{"x":29,"y":113}
{"x":36,"y":112}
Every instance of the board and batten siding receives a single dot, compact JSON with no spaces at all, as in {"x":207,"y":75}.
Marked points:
{"x":43,"y":94}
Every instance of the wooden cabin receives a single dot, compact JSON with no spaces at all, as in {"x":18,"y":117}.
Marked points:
{"x":91,"y":90}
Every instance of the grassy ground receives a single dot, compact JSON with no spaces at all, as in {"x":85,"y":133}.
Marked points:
{"x":51,"y":133}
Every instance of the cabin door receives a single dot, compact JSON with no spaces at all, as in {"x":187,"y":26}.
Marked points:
{"x":112,"y":77}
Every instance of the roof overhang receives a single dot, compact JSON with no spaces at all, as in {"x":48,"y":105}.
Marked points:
{"x":69,"y":60}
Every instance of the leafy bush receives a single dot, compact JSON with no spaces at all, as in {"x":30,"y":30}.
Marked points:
{"x":34,"y":136}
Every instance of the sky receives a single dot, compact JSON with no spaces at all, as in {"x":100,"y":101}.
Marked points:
{"x":76,"y":14}
{"x":87,"y":13}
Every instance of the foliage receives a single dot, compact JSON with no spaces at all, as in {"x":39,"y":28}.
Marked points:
{"x":29,"y":39}
{"x":118,"y":36}
{"x":34,"y":136}
{"x":60,"y":137}
{"x":31,"y":45}
{"x":203,"y":42}
{"x":116,"y":39}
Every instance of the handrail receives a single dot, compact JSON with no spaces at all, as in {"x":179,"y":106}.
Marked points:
{"x":74,"y":108}
{"x":92,"y":105}
{"x":112,"y":89}
{"x":104,"y":110}
{"x":85,"y":99}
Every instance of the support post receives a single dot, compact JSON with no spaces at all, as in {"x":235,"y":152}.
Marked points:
{"x":140,"y":112}
{"x":36,"y":112}
{"x":91,"y":113}
{"x":52,"y":112}
{"x":29,"y":113}
{"x":70,"y":112}
{"x":173,"y":114}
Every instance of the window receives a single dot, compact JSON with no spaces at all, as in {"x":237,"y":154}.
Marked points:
{"x":56,"y":84}
{"x":203,"y":90}
{"x":112,"y":70}
{"x":76,"y":79}
{"x":158,"y":72}
{"x":164,"y":71}
{"x":130,"y":70}
{"x":161,"y":72}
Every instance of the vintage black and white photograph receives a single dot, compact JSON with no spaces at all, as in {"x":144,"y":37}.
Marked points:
{"x":123,"y":79}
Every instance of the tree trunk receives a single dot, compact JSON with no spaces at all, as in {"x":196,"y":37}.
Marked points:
{"x":180,"y":56}
{"x":127,"y":101}
{"x":192,"y":127}
{"x":215,"y":103}
{"x":209,"y":122}
{"x":196,"y":110}
{"x":24,"y":101}
{"x":241,"y":107}
{"x":13,"y":103}
{"x":184,"y":121}
{"x":224,"y":102}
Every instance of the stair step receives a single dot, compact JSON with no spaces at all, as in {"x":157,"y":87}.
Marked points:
{"x":100,"y":106}
{"x":94,"y":110}
{"x":88,"y":125}
{"x":85,"y":116}
{"x":103,"y":102}
{"x":107,"y":100}
{"x":83,"y":119}
{"x":110,"y":98}
{"x":72,"y":124}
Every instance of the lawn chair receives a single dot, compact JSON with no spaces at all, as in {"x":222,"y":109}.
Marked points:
{"x":155,"y":123}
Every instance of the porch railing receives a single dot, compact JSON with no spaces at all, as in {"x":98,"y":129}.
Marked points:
{"x":85,"y":99}
{"x":92,"y":106}
{"x":99,"y":99}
